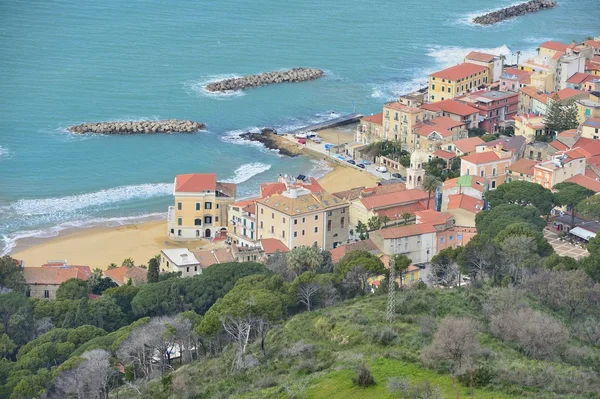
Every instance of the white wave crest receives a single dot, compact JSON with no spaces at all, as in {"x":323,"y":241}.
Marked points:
{"x":198,"y":87}
{"x":320,"y":169}
{"x":9,"y":242}
{"x":247,"y":171}
{"x":4,"y":152}
{"x":71,"y":203}
{"x":446,"y":56}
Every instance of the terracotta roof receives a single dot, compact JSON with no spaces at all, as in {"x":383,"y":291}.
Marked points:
{"x":557,"y":56}
{"x":84,"y":271}
{"x":558,"y":145}
{"x":463,"y":201}
{"x":586,"y":182}
{"x":433,"y":217}
{"x":205,"y":258}
{"x":195,"y":182}
{"x":363,"y":245}
{"x":121,"y":274}
{"x":580,"y":77}
{"x":401,"y":107}
{"x":481,"y":157}
{"x":592,"y":43}
{"x":407,"y":231}
{"x":397,"y":212}
{"x":440,"y":124}
{"x":592,"y":122}
{"x":481,"y":57}
{"x":227,"y":188}
{"x":592,"y":65}
{"x":444,"y":154}
{"x":350,"y":195}
{"x":49,"y":275}
{"x":452,"y":107}
{"x":521,"y":76}
{"x":589,"y":145}
{"x":476,"y":182}
{"x":303,"y":203}
{"x":567,"y":93}
{"x":459,"y":71}
{"x":523,"y":165}
{"x":272,"y":188}
{"x":272,"y":245}
{"x":377,"y":118}
{"x":468,"y":145}
{"x":245,"y":202}
{"x":250,"y":208}
{"x":223,"y":255}
{"x":395,"y":198}
{"x":556,"y":46}
{"x":535,"y":93}
{"x":357,"y":192}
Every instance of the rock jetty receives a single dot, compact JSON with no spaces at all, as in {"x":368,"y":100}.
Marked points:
{"x":292,"y":75}
{"x":271,"y":140}
{"x":139,"y":127}
{"x":514,"y":11}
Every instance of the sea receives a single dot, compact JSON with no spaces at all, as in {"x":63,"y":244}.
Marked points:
{"x":65,"y":62}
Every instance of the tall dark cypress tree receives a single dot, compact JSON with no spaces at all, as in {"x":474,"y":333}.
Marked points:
{"x":153,"y":269}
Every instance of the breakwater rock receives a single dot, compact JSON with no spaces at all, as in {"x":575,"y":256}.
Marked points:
{"x":292,"y":75}
{"x":271,"y":140}
{"x":514,"y":11}
{"x":139,"y":127}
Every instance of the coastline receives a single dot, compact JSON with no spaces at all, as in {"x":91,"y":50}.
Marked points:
{"x":98,"y":246}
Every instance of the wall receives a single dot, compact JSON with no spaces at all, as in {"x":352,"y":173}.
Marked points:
{"x":189,"y":214}
{"x":414,"y":247}
{"x":37,"y":290}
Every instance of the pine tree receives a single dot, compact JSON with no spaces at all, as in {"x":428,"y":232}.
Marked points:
{"x":570,"y":116}
{"x":153,"y":272}
{"x":553,"y":120}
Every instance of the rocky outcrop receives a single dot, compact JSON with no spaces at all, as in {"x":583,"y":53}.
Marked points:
{"x":139,"y":127}
{"x":271,"y":140}
{"x":293,"y":75}
{"x":514,"y":11}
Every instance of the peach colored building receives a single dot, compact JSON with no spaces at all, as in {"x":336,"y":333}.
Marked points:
{"x":514,"y":79}
{"x":490,"y":164}
{"x":563,"y":166}
{"x":42,"y":282}
{"x":436,"y":133}
{"x":453,"y":109}
{"x":370,"y":129}
{"x":465,"y":146}
{"x":522,"y":170}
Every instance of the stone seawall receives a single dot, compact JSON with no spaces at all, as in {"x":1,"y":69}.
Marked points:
{"x":139,"y":127}
{"x":271,"y":140}
{"x":292,"y":75}
{"x":514,"y":11}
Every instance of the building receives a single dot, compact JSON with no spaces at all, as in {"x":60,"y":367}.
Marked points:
{"x":370,"y":129}
{"x":514,"y":79}
{"x":127,"y":275}
{"x":587,"y":108}
{"x":530,"y":126}
{"x":566,"y":67}
{"x":465,"y":146}
{"x":399,"y":121}
{"x":489,"y":164}
{"x":242,"y":230}
{"x":42,"y":282}
{"x":271,"y":246}
{"x":493,"y":63}
{"x":522,"y":170}
{"x":415,"y":174}
{"x":495,"y":108}
{"x":201,"y":205}
{"x":455,"y":110}
{"x":562,"y":166}
{"x":364,"y":245}
{"x":532,"y":101}
{"x":593,"y":66}
{"x":299,"y":217}
{"x":540,"y":151}
{"x":434,"y":134}
{"x":457,"y":81}
{"x":582,"y":81}
{"x":590,"y":129}
{"x":179,"y":260}
{"x":585,"y":181}
{"x":594,"y":44}
{"x":464,"y":208}
{"x":392,"y":205}
{"x":551,"y":48}
{"x":473,"y":186}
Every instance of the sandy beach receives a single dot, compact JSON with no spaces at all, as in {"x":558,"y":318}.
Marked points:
{"x":99,"y":247}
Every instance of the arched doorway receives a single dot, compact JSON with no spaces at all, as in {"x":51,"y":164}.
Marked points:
{"x":207,"y":233}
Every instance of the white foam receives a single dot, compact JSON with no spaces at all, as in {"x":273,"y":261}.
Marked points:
{"x":198,"y":87}
{"x":320,"y":169}
{"x":446,"y":56}
{"x":8,"y":242}
{"x":72,"y":203}
{"x":4,"y":153}
{"x":247,"y":171}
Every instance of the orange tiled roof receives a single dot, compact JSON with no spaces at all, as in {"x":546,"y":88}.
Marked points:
{"x":272,"y":245}
{"x":592,"y":43}
{"x":556,"y":46}
{"x":459,"y":71}
{"x":432,"y":216}
{"x":440,"y":124}
{"x":49,"y":275}
{"x":195,"y":182}
{"x":385,"y":189}
{"x":397,"y":212}
{"x":269,"y":189}
{"x":522,"y":76}
{"x":481,"y":157}
{"x":468,"y":145}
{"x":395,"y":198}
{"x":463,"y":201}
{"x":377,"y":118}
{"x":535,"y":93}
{"x":452,"y":107}
{"x":444,"y":154}
{"x":523,"y":165}
{"x":481,"y":57}
{"x":558,"y":145}
{"x":401,"y":107}
{"x":586,"y":182}
{"x":245,"y":202}
{"x":567,"y":93}
{"x":579,"y":77}
{"x":476,"y":182}
{"x":594,"y":122}
{"x":120,"y":274}
{"x":84,"y":271}
{"x":407,"y":231}
{"x":592,"y":65}
{"x":363,"y":245}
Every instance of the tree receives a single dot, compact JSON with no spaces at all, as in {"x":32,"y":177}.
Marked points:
{"x":406,"y":216}
{"x":362,"y":230}
{"x":98,"y":284}
{"x":571,"y":117}
{"x":128,"y":262}
{"x":593,"y":246}
{"x":123,"y":296}
{"x":431,"y":184}
{"x":7,"y":346}
{"x":73,"y":288}
{"x":307,"y":289}
{"x":454,"y":345}
{"x":553,"y":120}
{"x":112,"y":266}
{"x":301,"y":259}
{"x":571,"y":194}
{"x":278,"y":263}
{"x":436,"y":167}
{"x":515,"y":251}
{"x":590,"y":207}
{"x":153,"y":269}
{"x":522,"y":193}
{"x":542,"y":247}
{"x":384,"y":220}
{"x":444,"y":268}
{"x":489,"y":223}
{"x":356,"y":267}
{"x":11,"y":276}
{"x":374,"y":223}
{"x":479,"y":260}
{"x":16,"y":316}
{"x":401,"y":262}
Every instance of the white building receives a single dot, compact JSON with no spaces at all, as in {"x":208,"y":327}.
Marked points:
{"x":179,"y":260}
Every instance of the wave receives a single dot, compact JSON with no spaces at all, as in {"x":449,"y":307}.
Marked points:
{"x":320,"y":169}
{"x":4,"y":153}
{"x":247,"y":171}
{"x":197,"y":87}
{"x":72,"y":203}
{"x":9,"y":242}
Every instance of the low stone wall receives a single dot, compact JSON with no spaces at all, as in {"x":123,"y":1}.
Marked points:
{"x":292,"y":75}
{"x":139,"y":127}
{"x":514,"y":11}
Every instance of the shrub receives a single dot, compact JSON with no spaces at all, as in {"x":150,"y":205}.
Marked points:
{"x":363,"y":378}
{"x":428,"y":326}
{"x":422,"y":390}
{"x":386,"y":336}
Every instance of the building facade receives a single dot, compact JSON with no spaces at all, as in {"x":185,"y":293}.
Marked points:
{"x":456,"y":81}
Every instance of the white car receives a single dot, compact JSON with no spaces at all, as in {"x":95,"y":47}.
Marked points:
{"x":317,"y":139}
{"x":301,"y":136}
{"x":381,"y":169}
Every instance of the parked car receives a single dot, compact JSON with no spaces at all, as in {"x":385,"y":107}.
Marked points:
{"x":397,"y":175}
{"x":366,"y":162}
{"x":351,"y":161}
{"x":328,"y":146}
{"x":381,"y":169}
{"x":317,"y":139}
{"x":310,"y":135}
{"x":360,"y":165}
{"x":338,"y":156}
{"x":300,"y":135}
{"x":302,"y":141}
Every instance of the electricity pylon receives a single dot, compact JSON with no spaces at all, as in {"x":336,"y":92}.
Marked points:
{"x":391,"y":303}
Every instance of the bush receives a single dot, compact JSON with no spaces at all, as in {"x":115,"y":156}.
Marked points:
{"x":385,"y":337}
{"x":482,"y":376}
{"x":363,"y":378}
{"x":428,"y":325}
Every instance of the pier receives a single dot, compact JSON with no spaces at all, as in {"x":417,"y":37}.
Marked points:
{"x":341,"y":121}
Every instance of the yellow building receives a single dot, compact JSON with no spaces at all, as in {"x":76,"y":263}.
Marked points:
{"x":550,"y":49}
{"x":492,"y":62}
{"x":543,"y":81}
{"x":587,"y":108}
{"x":456,"y":81}
{"x":200,"y":209}
{"x":529,"y":126}
{"x":590,"y":129}
{"x":298,"y":217}
{"x":399,"y":121}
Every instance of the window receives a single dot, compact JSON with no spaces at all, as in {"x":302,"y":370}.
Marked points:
{"x":329,"y":225}
{"x":272,"y":215}
{"x":482,"y":173}
{"x":46,"y":294}
{"x":28,"y":293}
{"x":272,"y":229}
{"x":329,"y":213}
{"x":316,"y":217}
{"x":451,"y":238}
{"x":443,"y":88}
{"x":197,"y":222}
{"x":302,"y":232}
{"x":282,"y":233}
{"x":187,"y":269}
{"x":195,"y":268}
{"x":295,"y":221}
{"x":303,"y":220}
{"x":433,"y":97}
{"x":432,"y":88}
{"x":261,"y":224}
{"x":494,"y":172}
{"x":208,"y":205}
{"x":207,"y":219}
{"x":316,"y":229}
{"x":179,"y":221}
{"x":342,"y":223}
{"x":217,"y":206}
{"x":217,"y":219}
{"x":458,"y":237}
{"x":343,"y":210}
{"x":261,"y":211}
{"x":442,"y":239}
{"x":198,"y":206}
{"x":179,"y":206}
{"x":449,"y":89}
{"x":295,"y":234}
{"x":494,"y":184}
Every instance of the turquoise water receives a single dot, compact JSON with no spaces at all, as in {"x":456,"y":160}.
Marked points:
{"x":67,"y":62}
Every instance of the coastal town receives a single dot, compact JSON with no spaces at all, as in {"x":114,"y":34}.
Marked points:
{"x":464,"y":215}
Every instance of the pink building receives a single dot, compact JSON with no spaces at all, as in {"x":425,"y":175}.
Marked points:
{"x":495,"y":107}
{"x":513,"y":79}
